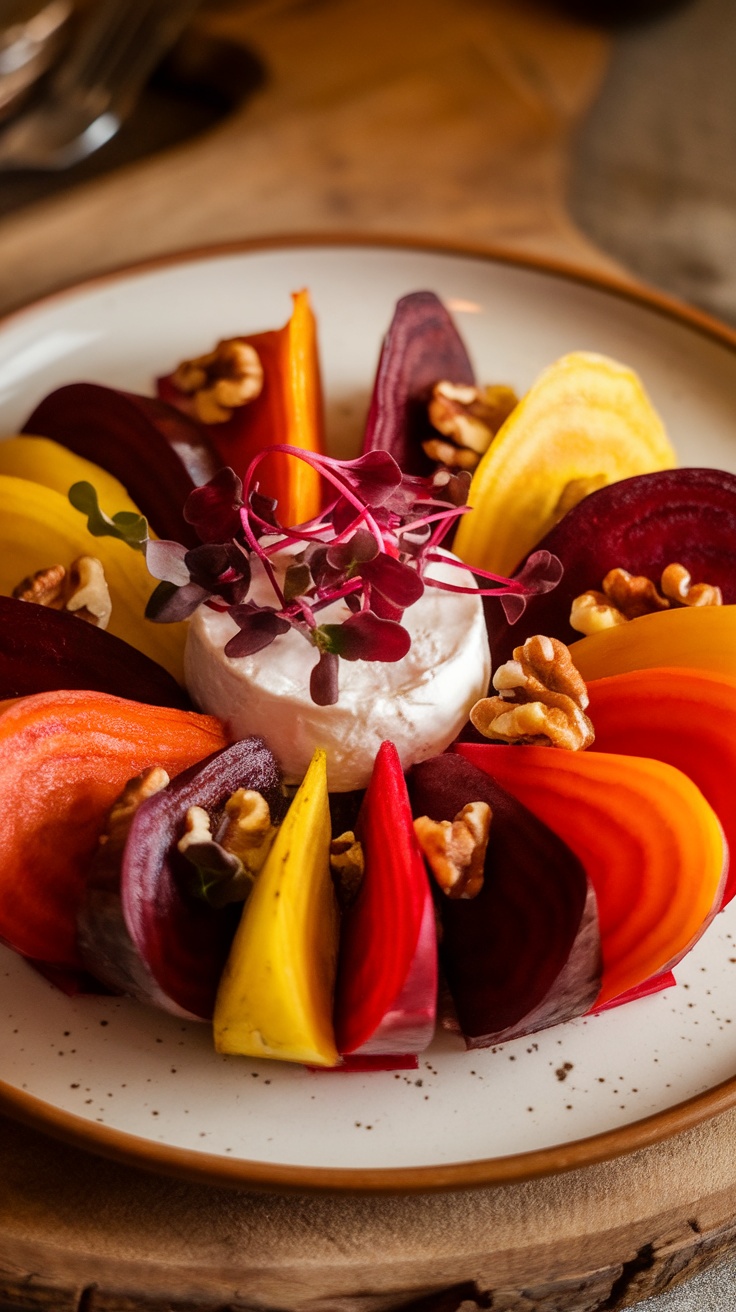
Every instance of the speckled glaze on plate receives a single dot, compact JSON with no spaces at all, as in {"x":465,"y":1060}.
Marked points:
{"x":145,"y":1087}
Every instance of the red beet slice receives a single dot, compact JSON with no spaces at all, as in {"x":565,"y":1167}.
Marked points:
{"x":386,"y":993}
{"x":421,"y":347}
{"x":44,"y":650}
{"x":143,"y":933}
{"x":641,"y":524}
{"x":525,"y":953}
{"x":157,"y":453}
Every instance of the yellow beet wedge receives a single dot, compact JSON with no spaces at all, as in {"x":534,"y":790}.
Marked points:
{"x":275,"y":996}
{"x":55,"y":466}
{"x":697,"y":637}
{"x":586,"y":422}
{"x":39,"y":527}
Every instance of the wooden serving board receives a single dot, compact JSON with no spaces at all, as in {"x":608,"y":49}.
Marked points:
{"x":81,"y":1234}
{"x":446,"y":120}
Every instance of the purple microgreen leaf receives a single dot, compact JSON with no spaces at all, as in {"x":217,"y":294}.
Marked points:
{"x":323,"y":681}
{"x":215,"y":875}
{"x":214,"y":509}
{"x":514,"y":604}
{"x":395,"y":580}
{"x":325,"y":578}
{"x":382,"y":607}
{"x":222,"y":568}
{"x":258,"y":626}
{"x":415,"y":539}
{"x":356,"y":551}
{"x":540,"y":573}
{"x":297,"y":581}
{"x":168,"y":604}
{"x":166,"y":561}
{"x":452,"y":486}
{"x":264,"y":508}
{"x":372,"y":477}
{"x":365,"y":637}
{"x":343,"y":516}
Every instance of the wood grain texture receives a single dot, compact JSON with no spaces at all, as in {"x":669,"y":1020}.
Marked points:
{"x":80,"y":1233}
{"x":448,"y":119}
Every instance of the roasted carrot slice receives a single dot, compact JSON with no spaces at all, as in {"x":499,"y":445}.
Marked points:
{"x":684,"y":717}
{"x":650,"y":843}
{"x":288,"y":410}
{"x":64,"y":758}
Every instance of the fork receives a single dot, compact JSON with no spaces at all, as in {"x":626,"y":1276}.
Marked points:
{"x":96,"y":86}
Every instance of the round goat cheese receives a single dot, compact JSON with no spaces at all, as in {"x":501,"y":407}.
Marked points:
{"x":420,"y":703}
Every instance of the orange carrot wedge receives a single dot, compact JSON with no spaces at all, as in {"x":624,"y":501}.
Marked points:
{"x":64,"y":758}
{"x":650,"y":843}
{"x":684,"y":717}
{"x":288,"y":410}
{"x":699,"y":637}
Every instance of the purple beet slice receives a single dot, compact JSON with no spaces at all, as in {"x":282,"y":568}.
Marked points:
{"x":641,"y":524}
{"x":421,"y":347}
{"x":44,"y":650}
{"x":525,"y":953}
{"x":141,"y":932}
{"x":157,"y":453}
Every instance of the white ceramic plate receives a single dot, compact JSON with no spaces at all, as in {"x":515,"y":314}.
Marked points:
{"x":137,"y":1084}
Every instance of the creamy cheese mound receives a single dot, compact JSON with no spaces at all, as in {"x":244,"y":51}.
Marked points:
{"x":420,"y":703}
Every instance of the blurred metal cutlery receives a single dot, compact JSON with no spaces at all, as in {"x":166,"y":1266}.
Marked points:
{"x":97,"y":83}
{"x":31,"y":36}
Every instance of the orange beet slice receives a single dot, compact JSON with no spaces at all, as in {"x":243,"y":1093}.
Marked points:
{"x":696,"y":637}
{"x":649,"y":841}
{"x":64,"y":758}
{"x":685,"y":717}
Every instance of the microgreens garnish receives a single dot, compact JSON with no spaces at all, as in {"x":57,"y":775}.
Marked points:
{"x":372,"y":547}
{"x":128,"y":526}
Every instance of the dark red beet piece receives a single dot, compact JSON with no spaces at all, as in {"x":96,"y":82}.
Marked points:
{"x":642,"y":525}
{"x":142,"y":933}
{"x":44,"y":650}
{"x":525,"y":953}
{"x":421,"y":347}
{"x":157,"y":453}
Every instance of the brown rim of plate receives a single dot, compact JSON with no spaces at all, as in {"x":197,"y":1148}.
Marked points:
{"x":209,"y":1168}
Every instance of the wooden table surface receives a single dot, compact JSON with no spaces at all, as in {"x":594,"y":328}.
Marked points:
{"x":451,"y":120}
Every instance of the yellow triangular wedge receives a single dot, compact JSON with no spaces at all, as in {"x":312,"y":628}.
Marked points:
{"x":275,"y":996}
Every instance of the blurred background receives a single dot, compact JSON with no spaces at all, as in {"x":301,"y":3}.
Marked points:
{"x":599,"y":132}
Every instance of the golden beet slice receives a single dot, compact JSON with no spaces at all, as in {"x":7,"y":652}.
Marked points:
{"x":586,"y":422}
{"x":275,"y":996}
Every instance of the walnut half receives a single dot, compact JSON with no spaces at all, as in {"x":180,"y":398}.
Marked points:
{"x":542,"y":699}
{"x":228,"y":861}
{"x":455,"y":850}
{"x":628,"y":596}
{"x":221,"y":381}
{"x":82,"y":590}
{"x":468,"y":418}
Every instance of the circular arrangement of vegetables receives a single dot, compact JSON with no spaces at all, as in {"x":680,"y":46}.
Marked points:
{"x":462,"y":707}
